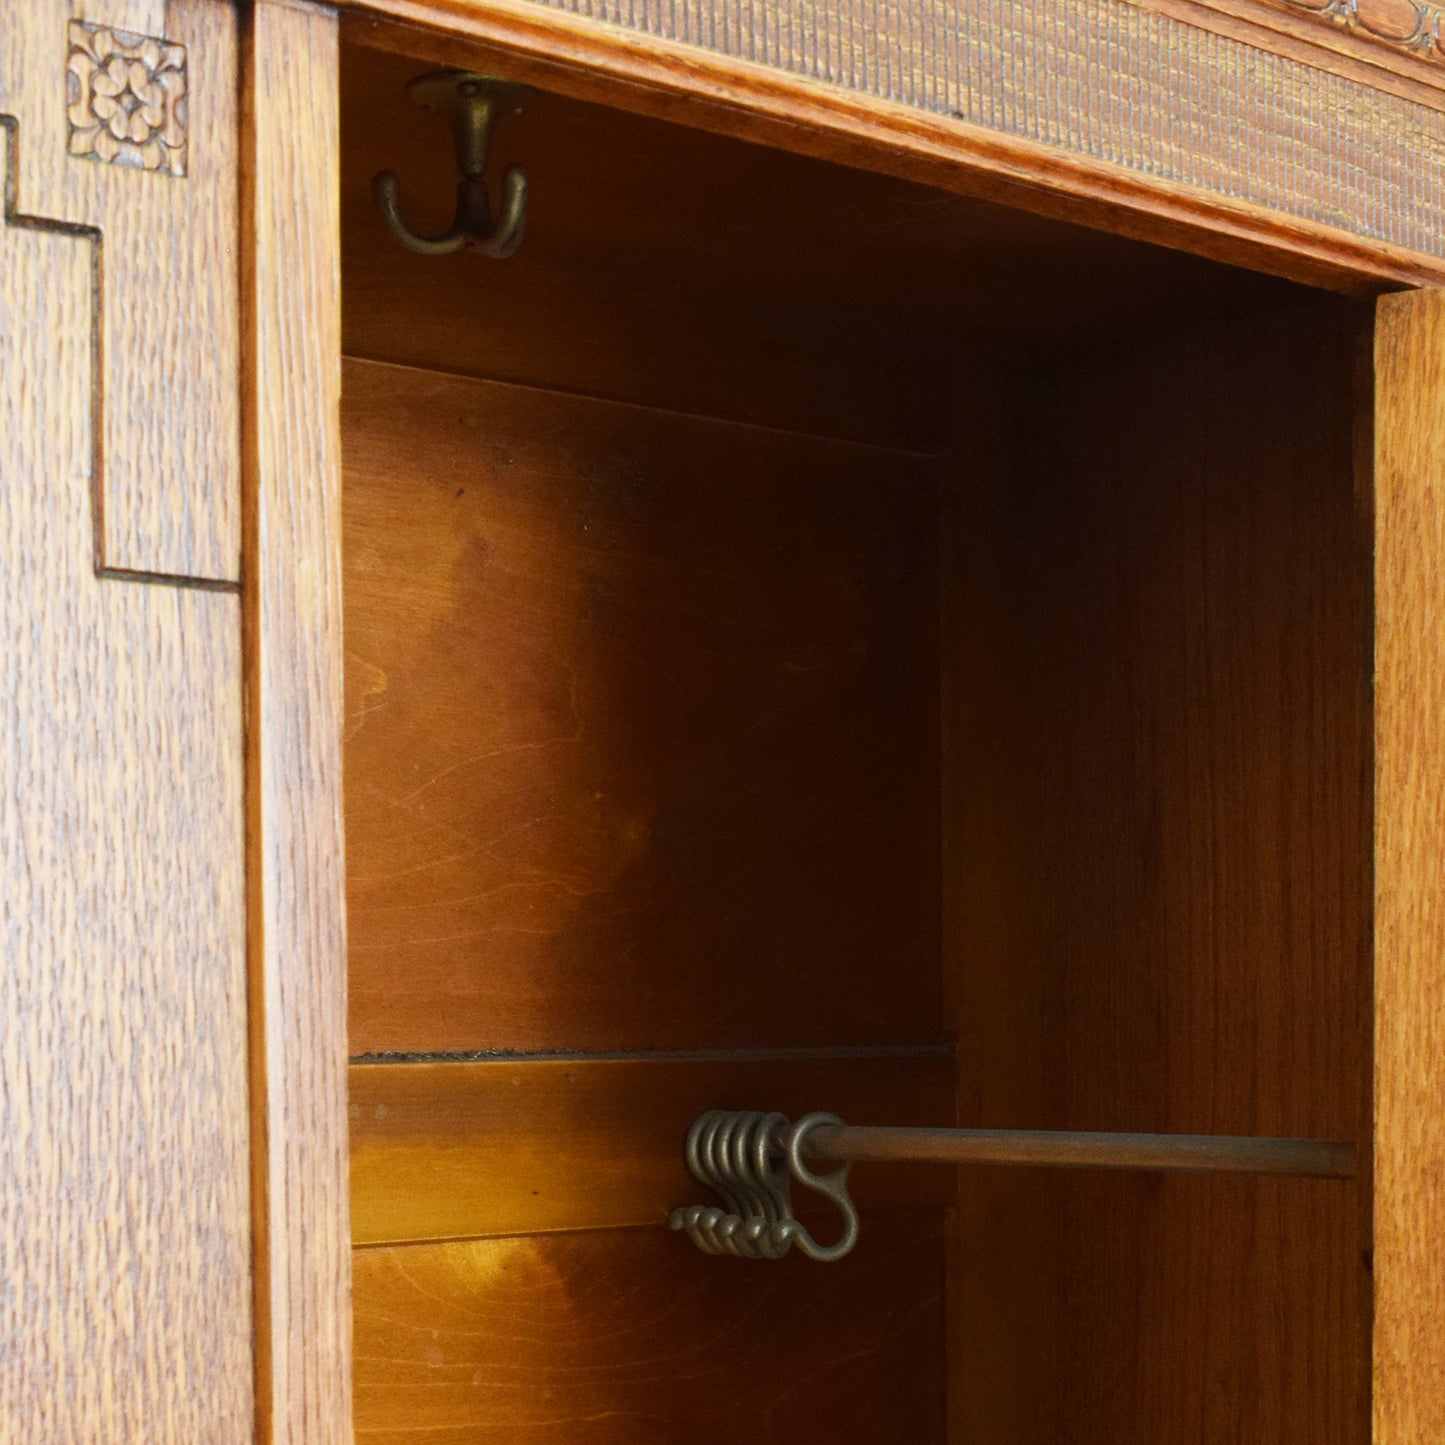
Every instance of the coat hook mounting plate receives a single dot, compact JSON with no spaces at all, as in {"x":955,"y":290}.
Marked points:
{"x":470,"y":102}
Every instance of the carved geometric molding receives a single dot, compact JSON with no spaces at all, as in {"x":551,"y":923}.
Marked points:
{"x":1399,"y":23}
{"x":126,"y":98}
{"x":105,"y":115}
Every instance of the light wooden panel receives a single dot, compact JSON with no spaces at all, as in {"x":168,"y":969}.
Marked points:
{"x":1409,"y":1343}
{"x":1176,"y":926}
{"x":634,"y":1337}
{"x":514,"y":1146}
{"x":642,"y":718}
{"x":163,"y":250}
{"x":125,"y":1243}
{"x":293,"y":592}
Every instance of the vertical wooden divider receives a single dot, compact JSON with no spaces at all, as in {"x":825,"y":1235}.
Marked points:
{"x":294,"y":712}
{"x":1409,"y":1254}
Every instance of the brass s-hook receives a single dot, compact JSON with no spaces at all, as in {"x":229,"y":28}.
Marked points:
{"x":470,"y":102}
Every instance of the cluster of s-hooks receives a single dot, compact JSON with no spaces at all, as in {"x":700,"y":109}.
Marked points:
{"x":751,"y":1159}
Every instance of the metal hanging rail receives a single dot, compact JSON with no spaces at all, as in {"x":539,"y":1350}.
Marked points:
{"x":752,"y":1159}
{"x":1221,"y":1153}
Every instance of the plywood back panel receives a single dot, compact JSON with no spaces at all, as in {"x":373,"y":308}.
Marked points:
{"x":642,"y":717}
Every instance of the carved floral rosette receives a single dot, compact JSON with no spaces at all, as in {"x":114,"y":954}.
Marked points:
{"x":127,"y":98}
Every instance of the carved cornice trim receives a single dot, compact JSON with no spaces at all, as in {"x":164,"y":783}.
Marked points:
{"x":1403,"y":25}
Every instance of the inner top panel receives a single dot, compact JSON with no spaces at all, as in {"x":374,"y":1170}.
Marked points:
{"x":680,"y":269}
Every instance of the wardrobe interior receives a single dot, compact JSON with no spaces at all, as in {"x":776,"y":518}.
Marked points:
{"x":817,"y":641}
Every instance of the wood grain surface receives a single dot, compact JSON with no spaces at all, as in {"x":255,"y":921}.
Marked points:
{"x":166,"y":468}
{"x":1091,"y":111}
{"x":1409,"y":1344}
{"x":633,"y":1337}
{"x":642,"y":727}
{"x":531,"y":1145}
{"x":124,"y":1222}
{"x":1166,"y":863}
{"x":139,"y":17}
{"x":294,"y":696}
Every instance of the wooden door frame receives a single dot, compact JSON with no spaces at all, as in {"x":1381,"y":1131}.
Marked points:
{"x":291,"y":306}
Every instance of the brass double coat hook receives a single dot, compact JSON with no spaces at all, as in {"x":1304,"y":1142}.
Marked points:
{"x":471,"y":102}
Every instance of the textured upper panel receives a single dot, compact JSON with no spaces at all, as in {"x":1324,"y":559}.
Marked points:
{"x":1104,"y":79}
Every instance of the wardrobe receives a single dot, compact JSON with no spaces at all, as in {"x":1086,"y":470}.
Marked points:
{"x":566,"y":567}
